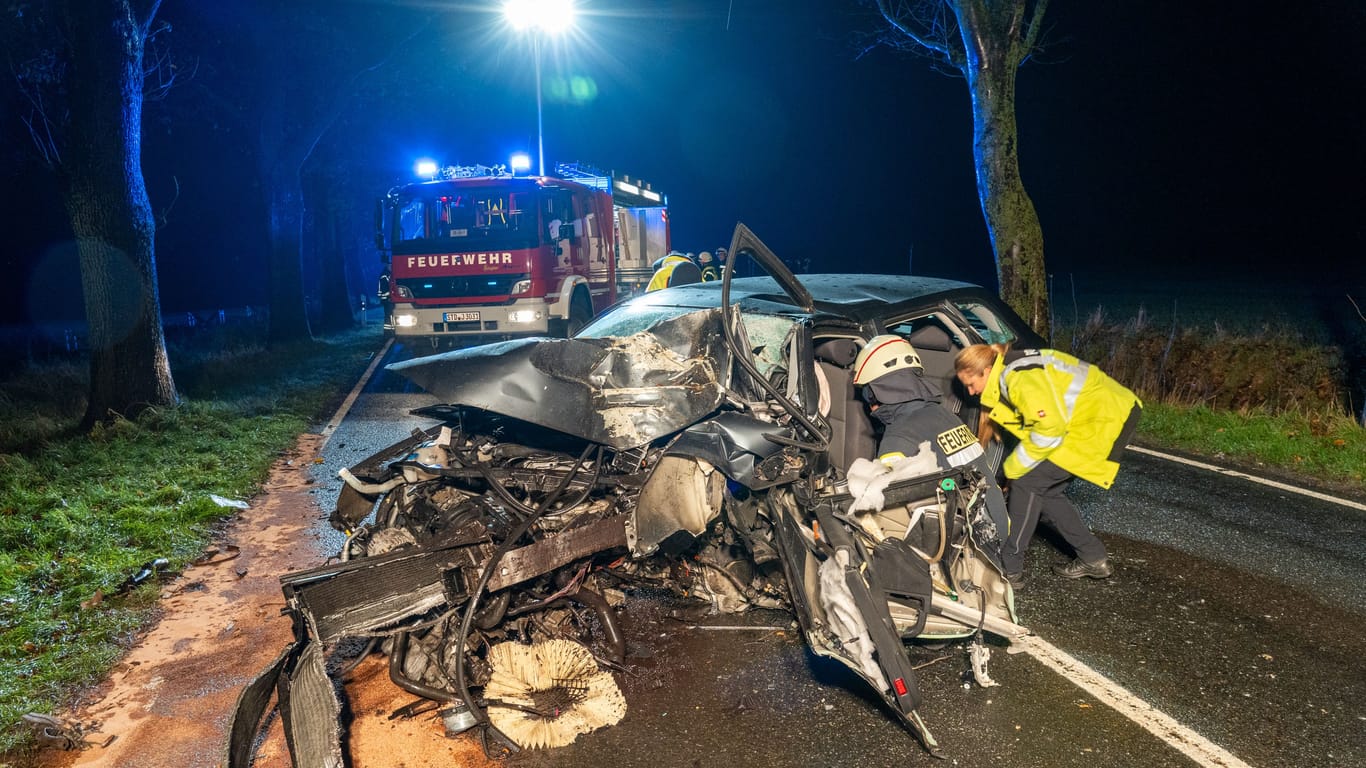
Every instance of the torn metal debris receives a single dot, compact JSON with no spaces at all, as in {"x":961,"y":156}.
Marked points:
{"x":695,"y":426}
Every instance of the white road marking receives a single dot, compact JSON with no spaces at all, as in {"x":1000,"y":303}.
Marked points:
{"x":1253,"y":478}
{"x":350,"y":400}
{"x":1189,"y":743}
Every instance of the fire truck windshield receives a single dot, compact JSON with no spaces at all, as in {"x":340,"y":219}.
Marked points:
{"x":463,"y":218}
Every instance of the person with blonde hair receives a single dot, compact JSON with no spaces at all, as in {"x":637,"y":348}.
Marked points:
{"x":1072,"y":420}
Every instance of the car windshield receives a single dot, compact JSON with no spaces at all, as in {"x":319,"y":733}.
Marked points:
{"x":629,"y":318}
{"x":768,"y":337}
{"x":465,"y":217}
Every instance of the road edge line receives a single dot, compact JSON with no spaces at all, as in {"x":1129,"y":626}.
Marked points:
{"x":350,"y":400}
{"x":1184,"y":740}
{"x":1243,"y":475}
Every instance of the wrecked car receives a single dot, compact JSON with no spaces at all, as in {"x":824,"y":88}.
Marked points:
{"x":707,"y":439}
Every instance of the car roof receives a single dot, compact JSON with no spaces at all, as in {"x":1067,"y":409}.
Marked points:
{"x":855,"y":297}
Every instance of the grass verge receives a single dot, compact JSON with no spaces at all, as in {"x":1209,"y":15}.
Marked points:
{"x":80,"y":514}
{"x":1331,"y":447}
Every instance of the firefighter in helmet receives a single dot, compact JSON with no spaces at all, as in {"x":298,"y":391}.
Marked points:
{"x":708,"y":266}
{"x":914,"y":419}
{"x":909,"y":405}
{"x":674,"y":269}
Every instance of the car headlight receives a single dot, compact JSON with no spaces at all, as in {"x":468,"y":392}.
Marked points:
{"x":524,"y":316}
{"x":405,"y":321}
{"x":521,"y":286}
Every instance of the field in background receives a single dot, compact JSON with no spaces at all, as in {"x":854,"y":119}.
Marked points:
{"x":1320,"y":310}
{"x":1307,"y":339}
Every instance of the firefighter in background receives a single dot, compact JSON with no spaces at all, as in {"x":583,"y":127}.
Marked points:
{"x":674,"y":269}
{"x":708,"y":267}
{"x":1072,"y":420}
{"x":914,"y":418}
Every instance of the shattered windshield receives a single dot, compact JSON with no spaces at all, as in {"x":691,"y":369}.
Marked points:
{"x":766,"y":334}
{"x":630,"y":319}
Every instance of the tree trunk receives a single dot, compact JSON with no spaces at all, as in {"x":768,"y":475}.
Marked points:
{"x":337,"y":312}
{"x":111,"y":216}
{"x":288,"y":314}
{"x":1012,"y":222}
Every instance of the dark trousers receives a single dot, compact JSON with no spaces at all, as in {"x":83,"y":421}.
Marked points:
{"x":1038,"y":495}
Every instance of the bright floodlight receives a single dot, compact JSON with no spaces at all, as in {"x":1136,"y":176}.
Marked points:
{"x":425,"y":169}
{"x":551,"y":16}
{"x":520,"y":161}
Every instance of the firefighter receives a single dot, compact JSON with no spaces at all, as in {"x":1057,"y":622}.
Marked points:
{"x":1072,"y":420}
{"x":708,"y":267}
{"x":674,"y":269}
{"x":910,"y":407}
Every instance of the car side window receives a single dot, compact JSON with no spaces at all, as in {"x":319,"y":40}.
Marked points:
{"x":986,"y":322}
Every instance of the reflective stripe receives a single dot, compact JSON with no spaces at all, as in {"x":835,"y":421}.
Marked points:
{"x":891,"y":458}
{"x":1043,"y":441}
{"x":966,"y":456}
{"x":1078,"y":371}
{"x":1021,"y":455}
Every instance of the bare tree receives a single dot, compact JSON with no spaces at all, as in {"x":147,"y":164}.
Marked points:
{"x":987,"y":41}
{"x":83,"y":79}
{"x":297,"y":68}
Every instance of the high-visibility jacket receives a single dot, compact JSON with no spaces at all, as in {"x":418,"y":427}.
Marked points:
{"x":674,"y":270}
{"x":1063,"y":410}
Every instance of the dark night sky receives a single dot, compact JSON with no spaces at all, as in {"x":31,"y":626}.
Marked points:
{"x":1181,"y":138}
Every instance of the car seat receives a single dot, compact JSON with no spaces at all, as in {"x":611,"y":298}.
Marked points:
{"x":851,"y":431}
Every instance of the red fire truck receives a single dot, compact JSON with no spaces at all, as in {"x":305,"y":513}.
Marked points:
{"x":481,"y":252}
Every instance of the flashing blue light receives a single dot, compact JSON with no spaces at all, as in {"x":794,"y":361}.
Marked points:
{"x":425,"y":169}
{"x":520,"y":161}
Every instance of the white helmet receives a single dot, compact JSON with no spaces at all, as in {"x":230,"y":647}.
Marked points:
{"x":882,"y":355}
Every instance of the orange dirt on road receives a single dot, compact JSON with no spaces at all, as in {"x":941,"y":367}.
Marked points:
{"x":168,"y":703}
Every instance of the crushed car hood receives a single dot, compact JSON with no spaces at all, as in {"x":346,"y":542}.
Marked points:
{"x":623,"y":392}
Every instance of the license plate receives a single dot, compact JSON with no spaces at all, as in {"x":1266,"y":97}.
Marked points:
{"x":461,"y":317}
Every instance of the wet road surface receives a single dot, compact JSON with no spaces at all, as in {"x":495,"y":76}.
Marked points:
{"x":1236,"y":609}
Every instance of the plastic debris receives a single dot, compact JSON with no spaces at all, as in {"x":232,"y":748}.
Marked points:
{"x":228,"y":503}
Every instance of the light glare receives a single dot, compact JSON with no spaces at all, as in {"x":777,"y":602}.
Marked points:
{"x":549,"y":16}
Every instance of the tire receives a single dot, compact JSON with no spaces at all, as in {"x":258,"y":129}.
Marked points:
{"x":580,"y":313}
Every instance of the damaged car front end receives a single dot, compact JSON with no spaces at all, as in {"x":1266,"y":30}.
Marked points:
{"x":483,"y":555}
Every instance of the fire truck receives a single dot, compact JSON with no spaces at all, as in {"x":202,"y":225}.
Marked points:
{"x":481,"y":252}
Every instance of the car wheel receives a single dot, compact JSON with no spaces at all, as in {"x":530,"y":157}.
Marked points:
{"x":580,"y":313}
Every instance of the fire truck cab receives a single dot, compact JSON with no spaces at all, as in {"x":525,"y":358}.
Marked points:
{"x":481,"y":252}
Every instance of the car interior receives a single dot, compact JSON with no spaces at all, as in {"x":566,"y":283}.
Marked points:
{"x":853,"y":433}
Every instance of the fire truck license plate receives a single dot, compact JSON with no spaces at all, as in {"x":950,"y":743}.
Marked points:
{"x":461,"y":317}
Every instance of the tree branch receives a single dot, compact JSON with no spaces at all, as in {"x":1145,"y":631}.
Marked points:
{"x":1034,"y":27}
{"x":931,"y":41}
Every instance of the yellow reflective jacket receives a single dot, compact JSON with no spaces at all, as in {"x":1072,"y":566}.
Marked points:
{"x":1062,"y":409}
{"x":663,"y":277}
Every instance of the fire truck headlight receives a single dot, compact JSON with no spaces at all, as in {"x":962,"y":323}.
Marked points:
{"x":405,"y":321}
{"x":524,"y":316}
{"x":521,"y":286}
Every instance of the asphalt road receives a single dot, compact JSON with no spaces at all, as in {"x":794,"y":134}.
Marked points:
{"x":1235,"y":609}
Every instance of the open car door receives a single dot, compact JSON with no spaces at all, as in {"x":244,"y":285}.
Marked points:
{"x":876,"y":561}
